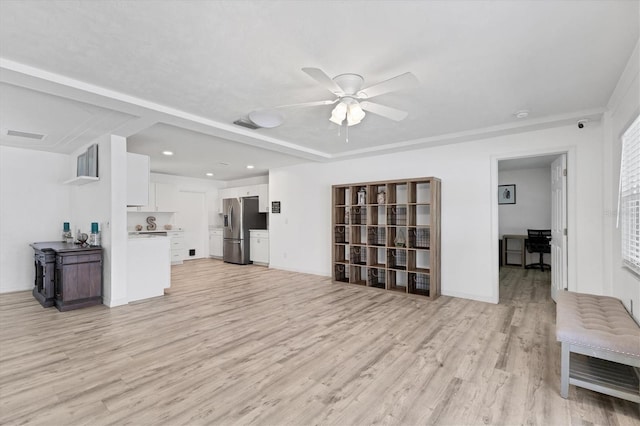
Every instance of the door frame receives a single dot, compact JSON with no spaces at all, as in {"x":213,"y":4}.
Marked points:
{"x":571,"y":212}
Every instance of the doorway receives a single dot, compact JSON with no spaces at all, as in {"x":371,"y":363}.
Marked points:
{"x":538,"y":191}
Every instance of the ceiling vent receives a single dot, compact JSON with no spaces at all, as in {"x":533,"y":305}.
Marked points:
{"x":25,"y":134}
{"x":246,"y":123}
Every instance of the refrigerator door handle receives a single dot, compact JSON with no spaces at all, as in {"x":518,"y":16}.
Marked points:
{"x":231,"y":218}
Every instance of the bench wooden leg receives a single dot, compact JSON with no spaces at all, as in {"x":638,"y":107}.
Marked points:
{"x":564,"y":370}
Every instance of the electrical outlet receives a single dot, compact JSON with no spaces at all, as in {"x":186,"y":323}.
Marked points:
{"x":192,"y":252}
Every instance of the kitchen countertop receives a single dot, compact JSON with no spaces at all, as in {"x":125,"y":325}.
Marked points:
{"x":136,"y":236}
{"x":157,"y":231}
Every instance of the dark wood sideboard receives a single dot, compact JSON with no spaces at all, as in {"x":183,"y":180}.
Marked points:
{"x":67,"y":275}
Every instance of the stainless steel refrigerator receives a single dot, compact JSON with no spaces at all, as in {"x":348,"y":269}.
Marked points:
{"x":240,"y":215}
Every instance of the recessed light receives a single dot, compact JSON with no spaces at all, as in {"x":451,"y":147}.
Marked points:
{"x":209,"y":174}
{"x":167,"y":152}
{"x":522,"y":114}
{"x":250,"y":166}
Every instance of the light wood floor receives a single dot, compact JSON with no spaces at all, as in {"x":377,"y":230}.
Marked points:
{"x":248,"y":345}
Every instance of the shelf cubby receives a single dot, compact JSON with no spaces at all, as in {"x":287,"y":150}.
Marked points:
{"x":387,"y":235}
{"x":358,"y":235}
{"x":341,"y":234}
{"x":340,"y":252}
{"x":419,"y":238}
{"x":419,"y":284}
{"x":377,"y":236}
{"x":377,"y":215}
{"x":341,"y":196}
{"x":377,"y":257}
{"x":373,"y":194}
{"x":397,"y":281}
{"x":397,"y":236}
{"x":358,"y":275}
{"x":341,"y":215}
{"x":358,"y":215}
{"x":358,"y":255}
{"x":377,"y":277}
{"x":397,"y":259}
{"x":341,"y":273}
{"x":397,"y":214}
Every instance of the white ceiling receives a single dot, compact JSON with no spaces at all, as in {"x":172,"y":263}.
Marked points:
{"x":176,"y":74}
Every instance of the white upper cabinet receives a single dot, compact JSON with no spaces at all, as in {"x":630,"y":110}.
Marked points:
{"x":261,"y":191}
{"x":137,"y":180}
{"x":163,"y":197}
{"x":263,"y":200}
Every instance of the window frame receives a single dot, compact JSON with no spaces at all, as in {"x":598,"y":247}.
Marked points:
{"x":629,"y":197}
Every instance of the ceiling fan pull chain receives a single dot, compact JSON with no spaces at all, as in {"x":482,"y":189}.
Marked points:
{"x":346,"y":130}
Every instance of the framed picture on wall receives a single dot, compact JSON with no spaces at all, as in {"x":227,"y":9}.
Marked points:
{"x":506,"y":194}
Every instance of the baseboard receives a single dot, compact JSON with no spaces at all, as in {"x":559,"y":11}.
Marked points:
{"x":113,"y":303}
{"x":491,"y":299}
{"x":300,"y":271}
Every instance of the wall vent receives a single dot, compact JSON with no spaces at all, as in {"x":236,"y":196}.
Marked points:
{"x":246,"y":123}
{"x":25,"y":134}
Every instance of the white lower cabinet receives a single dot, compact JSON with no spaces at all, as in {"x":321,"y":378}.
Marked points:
{"x":215,"y":242}
{"x":259,"y":246}
{"x":177,"y":246}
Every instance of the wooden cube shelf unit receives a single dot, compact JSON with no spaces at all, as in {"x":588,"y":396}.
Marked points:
{"x":387,"y":235}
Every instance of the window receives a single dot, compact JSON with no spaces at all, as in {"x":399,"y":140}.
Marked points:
{"x":630,"y":196}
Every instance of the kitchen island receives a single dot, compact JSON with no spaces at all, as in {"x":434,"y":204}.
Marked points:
{"x":67,"y":275}
{"x":148,"y":266}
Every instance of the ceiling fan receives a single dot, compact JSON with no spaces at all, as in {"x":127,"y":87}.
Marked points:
{"x":352,"y":100}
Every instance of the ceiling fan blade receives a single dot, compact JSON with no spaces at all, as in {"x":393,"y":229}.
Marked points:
{"x":384,"y":111}
{"x":325,"y":81}
{"x":309,"y":104}
{"x":402,"y":81}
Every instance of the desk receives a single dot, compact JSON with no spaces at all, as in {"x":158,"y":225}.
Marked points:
{"x":514,"y":245}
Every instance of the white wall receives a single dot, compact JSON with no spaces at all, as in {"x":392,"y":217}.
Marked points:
{"x":300,"y":237}
{"x":624,"y":107}
{"x":532,"y":209}
{"x":35,"y":203}
{"x":33,"y":207}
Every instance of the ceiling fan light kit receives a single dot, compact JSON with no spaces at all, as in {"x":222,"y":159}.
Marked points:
{"x":350,"y":95}
{"x":338,"y":114}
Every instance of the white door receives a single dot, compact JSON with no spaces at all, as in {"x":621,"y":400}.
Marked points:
{"x":558,"y":225}
{"x":192,"y":217}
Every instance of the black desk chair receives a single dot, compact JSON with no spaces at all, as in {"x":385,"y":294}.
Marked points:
{"x":538,"y":242}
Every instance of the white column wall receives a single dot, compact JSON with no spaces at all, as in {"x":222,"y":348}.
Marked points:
{"x":104,"y":202}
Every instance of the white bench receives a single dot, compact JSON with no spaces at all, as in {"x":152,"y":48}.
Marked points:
{"x":608,"y":339}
